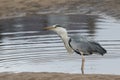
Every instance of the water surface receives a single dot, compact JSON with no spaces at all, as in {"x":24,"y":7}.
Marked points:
{"x":25,"y":47}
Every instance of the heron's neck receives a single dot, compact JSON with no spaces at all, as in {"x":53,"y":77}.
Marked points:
{"x":65,"y":40}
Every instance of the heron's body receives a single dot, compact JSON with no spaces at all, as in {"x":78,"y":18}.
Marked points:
{"x":87,"y":46}
{"x":77,"y":43}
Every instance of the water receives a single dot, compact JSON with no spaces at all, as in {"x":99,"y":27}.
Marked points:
{"x":25,"y":47}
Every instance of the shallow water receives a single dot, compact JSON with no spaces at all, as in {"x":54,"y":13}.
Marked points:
{"x":25,"y":47}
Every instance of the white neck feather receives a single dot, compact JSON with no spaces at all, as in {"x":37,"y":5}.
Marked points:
{"x":65,"y":40}
{"x":64,"y":36}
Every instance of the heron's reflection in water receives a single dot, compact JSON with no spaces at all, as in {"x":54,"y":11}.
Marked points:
{"x":91,"y":26}
{"x":1,"y":33}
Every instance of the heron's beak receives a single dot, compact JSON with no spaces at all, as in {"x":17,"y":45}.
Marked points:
{"x":48,"y":28}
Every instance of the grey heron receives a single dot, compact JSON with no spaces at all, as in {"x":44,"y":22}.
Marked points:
{"x":79,"y":44}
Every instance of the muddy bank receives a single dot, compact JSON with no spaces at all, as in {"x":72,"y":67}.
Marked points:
{"x":21,"y":7}
{"x":56,"y":76}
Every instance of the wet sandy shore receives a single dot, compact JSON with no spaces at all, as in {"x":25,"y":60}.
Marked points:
{"x":56,"y":76}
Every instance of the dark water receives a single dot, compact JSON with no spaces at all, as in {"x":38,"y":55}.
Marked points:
{"x":25,"y":47}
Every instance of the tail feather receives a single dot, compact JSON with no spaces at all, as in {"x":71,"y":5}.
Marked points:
{"x":96,"y":47}
{"x":103,"y":51}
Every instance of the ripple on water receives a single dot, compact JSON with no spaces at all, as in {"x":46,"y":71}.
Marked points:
{"x":24,"y":46}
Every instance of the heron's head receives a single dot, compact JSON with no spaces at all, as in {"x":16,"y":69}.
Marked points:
{"x":62,"y":32}
{"x":58,"y":29}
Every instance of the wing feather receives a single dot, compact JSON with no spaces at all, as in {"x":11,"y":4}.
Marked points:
{"x":86,"y":45}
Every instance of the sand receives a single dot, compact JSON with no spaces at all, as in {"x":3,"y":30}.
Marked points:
{"x":56,"y":76}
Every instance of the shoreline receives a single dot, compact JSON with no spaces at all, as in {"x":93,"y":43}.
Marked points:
{"x":56,"y":76}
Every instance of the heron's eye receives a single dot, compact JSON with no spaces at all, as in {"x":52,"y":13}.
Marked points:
{"x":57,"y":25}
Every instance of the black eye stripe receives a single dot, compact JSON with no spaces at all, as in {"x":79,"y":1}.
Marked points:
{"x":57,"y":25}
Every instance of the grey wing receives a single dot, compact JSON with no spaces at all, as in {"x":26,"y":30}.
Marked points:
{"x":86,"y":45}
{"x":96,"y":47}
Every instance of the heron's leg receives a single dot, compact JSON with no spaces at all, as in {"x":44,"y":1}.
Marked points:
{"x":83,"y":61}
